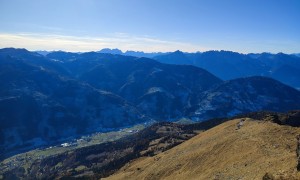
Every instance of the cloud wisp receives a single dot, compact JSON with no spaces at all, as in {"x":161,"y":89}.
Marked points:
{"x":82,"y":44}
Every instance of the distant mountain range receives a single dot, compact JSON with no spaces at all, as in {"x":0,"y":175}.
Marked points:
{"x":116,"y":51}
{"x":47,"y":99}
{"x":230,"y":65}
{"x":297,"y":54}
{"x":226,"y":64}
{"x":131,"y":53}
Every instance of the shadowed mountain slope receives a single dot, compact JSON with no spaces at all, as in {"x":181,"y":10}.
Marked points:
{"x":46,"y":99}
{"x":39,"y":106}
{"x":246,"y":95}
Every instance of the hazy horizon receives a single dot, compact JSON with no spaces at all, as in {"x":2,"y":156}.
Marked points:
{"x":151,"y":26}
{"x":59,"y":50}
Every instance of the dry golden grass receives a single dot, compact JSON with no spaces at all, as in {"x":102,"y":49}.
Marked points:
{"x":224,"y":153}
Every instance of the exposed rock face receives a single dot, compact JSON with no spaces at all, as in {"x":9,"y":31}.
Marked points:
{"x":268,"y":176}
{"x":298,"y":152}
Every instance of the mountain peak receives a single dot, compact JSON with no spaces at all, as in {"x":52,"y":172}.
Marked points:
{"x":17,"y":52}
{"x":178,"y":52}
{"x":110,"y":51}
{"x":14,"y":50}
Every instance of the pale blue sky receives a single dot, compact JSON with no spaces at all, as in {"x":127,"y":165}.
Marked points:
{"x":151,"y":25}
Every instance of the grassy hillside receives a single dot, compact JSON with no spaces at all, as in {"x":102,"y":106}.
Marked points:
{"x":258,"y":149}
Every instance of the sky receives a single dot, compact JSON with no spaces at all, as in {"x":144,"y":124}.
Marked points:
{"x":151,"y":25}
